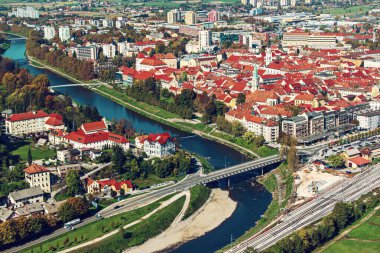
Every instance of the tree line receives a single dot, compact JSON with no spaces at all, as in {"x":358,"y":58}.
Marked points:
{"x":184,"y":104}
{"x":80,"y":69}
{"x":129,"y":166}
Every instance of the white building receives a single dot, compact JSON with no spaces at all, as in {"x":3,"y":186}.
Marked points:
{"x":26,"y":196}
{"x":27,"y":12}
{"x":109,"y":50}
{"x":32,"y":122}
{"x":107,"y":23}
{"x":95,"y":135}
{"x":119,"y":24}
{"x":173,"y":16}
{"x":64,"y":33}
{"x":190,"y":18}
{"x":159,"y":145}
{"x":49,"y":32}
{"x":38,"y":176}
{"x":88,"y":53}
{"x":204,"y":38}
{"x":369,"y":120}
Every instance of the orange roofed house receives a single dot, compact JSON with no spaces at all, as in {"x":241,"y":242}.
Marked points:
{"x":38,"y":176}
{"x":33,"y":122}
{"x":96,"y":135}
{"x":107,"y":185}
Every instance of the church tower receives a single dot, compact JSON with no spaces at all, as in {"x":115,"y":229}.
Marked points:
{"x":268,"y":55}
{"x":255,"y":79}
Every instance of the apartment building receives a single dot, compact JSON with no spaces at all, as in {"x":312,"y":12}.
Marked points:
{"x":296,"y":126}
{"x":88,"y":53}
{"x":204,"y":38}
{"x":49,"y":32}
{"x":315,"y":121}
{"x":38,"y":176}
{"x":190,"y":18}
{"x":32,"y":122}
{"x":109,"y":50}
{"x":369,"y":120}
{"x":27,"y":12}
{"x":64,"y":33}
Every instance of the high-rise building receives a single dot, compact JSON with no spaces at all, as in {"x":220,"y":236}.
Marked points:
{"x":49,"y":32}
{"x":293,"y":2}
{"x":213,"y":16}
{"x":172,"y":16}
{"x":268,"y":56}
{"x":109,"y":50}
{"x":88,"y":53}
{"x":255,"y":79}
{"x":27,"y":12}
{"x":284,"y":2}
{"x":190,"y":18}
{"x":204,"y":38}
{"x":64,"y":33}
{"x":245,"y":2}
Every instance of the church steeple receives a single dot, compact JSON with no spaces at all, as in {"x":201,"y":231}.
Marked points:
{"x":268,"y":55}
{"x":255,"y":79}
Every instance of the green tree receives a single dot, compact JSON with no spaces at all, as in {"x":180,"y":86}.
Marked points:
{"x":30,"y":159}
{"x":73,"y":183}
{"x":118,"y":159}
{"x":237,"y":129}
{"x":249,"y":136}
{"x":335,"y":161}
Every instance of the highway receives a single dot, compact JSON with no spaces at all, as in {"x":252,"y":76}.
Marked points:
{"x":147,"y":198}
{"x":347,"y":190}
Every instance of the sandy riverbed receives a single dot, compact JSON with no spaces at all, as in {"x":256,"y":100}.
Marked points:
{"x":217,"y":209}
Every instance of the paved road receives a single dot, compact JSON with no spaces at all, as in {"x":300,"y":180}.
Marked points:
{"x":347,"y":190}
{"x":138,"y":201}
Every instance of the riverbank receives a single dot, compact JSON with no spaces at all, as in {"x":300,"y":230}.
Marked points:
{"x":280,"y":183}
{"x":172,"y":122}
{"x":208,"y":217}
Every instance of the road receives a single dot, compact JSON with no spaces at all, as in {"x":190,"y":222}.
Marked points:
{"x":147,"y":198}
{"x":347,"y":190}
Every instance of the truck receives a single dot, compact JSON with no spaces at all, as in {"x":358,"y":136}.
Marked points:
{"x":69,"y":225}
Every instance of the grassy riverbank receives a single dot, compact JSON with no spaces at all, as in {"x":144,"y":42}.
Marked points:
{"x":199,"y":194}
{"x":171,"y":119}
{"x":278,"y":181}
{"x":140,"y":233}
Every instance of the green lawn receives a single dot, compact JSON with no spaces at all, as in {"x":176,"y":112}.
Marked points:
{"x":369,"y":230}
{"x":362,"y":9}
{"x":198,"y":196}
{"x":144,"y":106}
{"x":94,"y":229}
{"x":37,"y":153}
{"x":353,"y":247}
{"x":141,"y":232}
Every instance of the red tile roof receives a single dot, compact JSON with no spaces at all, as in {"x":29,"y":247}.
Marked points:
{"x":34,"y":168}
{"x":359,"y":160}
{"x":27,"y":116}
{"x":95,"y":126}
{"x":81,"y":137}
{"x":160,"y":138}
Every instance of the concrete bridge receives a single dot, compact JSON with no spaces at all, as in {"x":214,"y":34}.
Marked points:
{"x":240,"y":168}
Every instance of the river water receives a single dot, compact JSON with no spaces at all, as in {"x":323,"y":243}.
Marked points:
{"x":252,"y":199}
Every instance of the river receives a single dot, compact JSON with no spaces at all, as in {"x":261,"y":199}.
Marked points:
{"x":252,"y":199}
